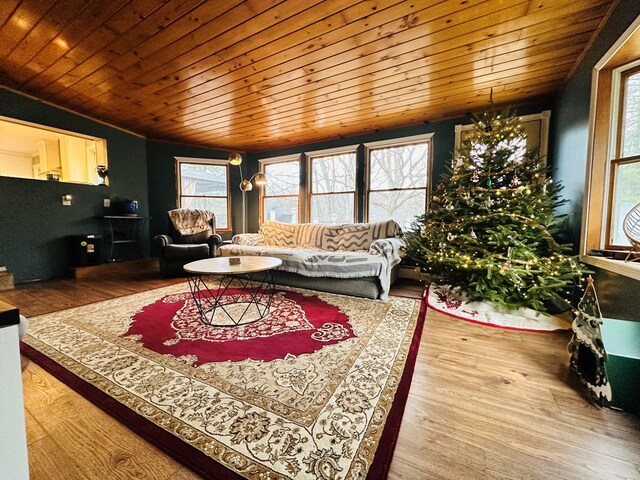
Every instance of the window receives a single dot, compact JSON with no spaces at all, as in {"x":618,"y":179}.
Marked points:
{"x":280,"y":196}
{"x":204,"y":184}
{"x":625,"y":167}
{"x":398,"y":176}
{"x":613,"y":168}
{"x":536,"y":129}
{"x":332,"y":182}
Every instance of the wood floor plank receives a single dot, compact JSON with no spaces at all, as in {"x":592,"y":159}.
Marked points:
{"x":48,"y":460}
{"x":35,"y":431}
{"x":109,"y":451}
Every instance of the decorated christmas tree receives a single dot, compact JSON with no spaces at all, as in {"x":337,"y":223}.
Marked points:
{"x":490,"y":226}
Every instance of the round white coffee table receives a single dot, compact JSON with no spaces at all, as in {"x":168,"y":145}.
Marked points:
{"x":224,"y":306}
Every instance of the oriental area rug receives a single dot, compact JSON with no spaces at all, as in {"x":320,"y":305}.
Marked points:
{"x":455,"y":304}
{"x":315,"y":390}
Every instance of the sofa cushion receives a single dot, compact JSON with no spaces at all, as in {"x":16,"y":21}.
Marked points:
{"x":199,"y":237}
{"x":310,"y":235}
{"x":279,"y":233}
{"x":314,"y":262}
{"x":359,"y":236}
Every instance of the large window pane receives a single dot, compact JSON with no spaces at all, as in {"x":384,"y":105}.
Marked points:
{"x":282,"y":209}
{"x":631,"y":121}
{"x":335,"y":173}
{"x":402,"y":206}
{"x":280,"y":198}
{"x":626,"y":194}
{"x":282,"y":178}
{"x":333,"y":208}
{"x":216,"y":205}
{"x":197,"y":179}
{"x":398,"y":167}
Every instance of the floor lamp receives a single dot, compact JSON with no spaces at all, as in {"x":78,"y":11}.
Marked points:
{"x":245,"y":185}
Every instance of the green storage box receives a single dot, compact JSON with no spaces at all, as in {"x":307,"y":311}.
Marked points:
{"x":622,"y":343}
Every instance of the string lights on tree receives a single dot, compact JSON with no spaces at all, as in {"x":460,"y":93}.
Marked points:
{"x":490,"y":226}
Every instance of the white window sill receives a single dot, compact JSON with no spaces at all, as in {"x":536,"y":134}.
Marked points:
{"x":628,"y":269}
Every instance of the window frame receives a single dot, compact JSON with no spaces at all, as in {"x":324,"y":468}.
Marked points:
{"x":204,"y":161}
{"x":265,"y":162}
{"x":397,"y":142}
{"x":349,"y":149}
{"x":600,"y":150}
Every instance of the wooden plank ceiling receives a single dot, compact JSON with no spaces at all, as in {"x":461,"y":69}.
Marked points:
{"x":263,"y":74}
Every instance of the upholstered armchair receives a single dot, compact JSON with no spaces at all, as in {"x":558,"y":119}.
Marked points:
{"x":192,"y":236}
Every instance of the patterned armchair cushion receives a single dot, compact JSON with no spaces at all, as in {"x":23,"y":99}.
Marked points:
{"x":359,"y":236}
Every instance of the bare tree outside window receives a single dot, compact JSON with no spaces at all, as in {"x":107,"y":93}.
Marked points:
{"x":333,"y":185}
{"x":204,"y":186}
{"x":398,"y":183}
{"x":625,"y":170}
{"x":280,"y":199}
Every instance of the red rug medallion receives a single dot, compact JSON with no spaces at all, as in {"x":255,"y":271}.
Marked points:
{"x":296,"y":324}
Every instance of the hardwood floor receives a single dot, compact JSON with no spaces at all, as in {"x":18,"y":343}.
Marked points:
{"x":485,"y":403}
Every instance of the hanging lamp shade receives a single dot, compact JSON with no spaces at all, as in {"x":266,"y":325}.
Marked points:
{"x":235,"y":158}
{"x":246,"y":185}
{"x":260,"y":179}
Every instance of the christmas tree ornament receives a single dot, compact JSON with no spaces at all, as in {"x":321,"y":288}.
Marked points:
{"x":489,"y":182}
{"x":449,"y":207}
{"x":527,"y":191}
{"x":440,"y":186}
{"x":515,"y":181}
{"x":475,"y":178}
{"x":451,"y":237}
{"x":473,"y":234}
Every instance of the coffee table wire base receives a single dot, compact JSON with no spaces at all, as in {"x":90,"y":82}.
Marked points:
{"x":209,"y":301}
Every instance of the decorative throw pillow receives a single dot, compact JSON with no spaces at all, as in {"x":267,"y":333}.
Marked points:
{"x":200,"y":237}
{"x":278,"y":234}
{"x":330,"y":236}
{"x":360,"y":236}
{"x":310,"y":235}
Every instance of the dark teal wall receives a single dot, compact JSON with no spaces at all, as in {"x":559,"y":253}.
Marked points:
{"x":618,"y":295}
{"x":33,"y":222}
{"x":163,"y":194}
{"x":443,"y":146}
{"x":571,"y":122}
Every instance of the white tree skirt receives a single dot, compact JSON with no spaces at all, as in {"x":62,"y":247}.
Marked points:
{"x":455,"y":304}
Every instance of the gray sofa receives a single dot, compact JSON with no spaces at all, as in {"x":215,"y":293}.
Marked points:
{"x":359,"y":259}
